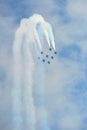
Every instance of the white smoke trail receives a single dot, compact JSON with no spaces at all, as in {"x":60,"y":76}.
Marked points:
{"x":17,"y":83}
{"x":28,"y":83}
{"x":26,"y":39}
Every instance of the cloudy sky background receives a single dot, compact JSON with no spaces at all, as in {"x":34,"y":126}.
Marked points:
{"x":67,"y":93}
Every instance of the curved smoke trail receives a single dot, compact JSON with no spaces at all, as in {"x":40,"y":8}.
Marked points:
{"x":26,"y":38}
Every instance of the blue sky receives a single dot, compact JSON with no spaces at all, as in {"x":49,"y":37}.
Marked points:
{"x":67,"y":93}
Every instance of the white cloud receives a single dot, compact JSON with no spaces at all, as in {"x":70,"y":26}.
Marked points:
{"x":75,"y":30}
{"x":63,"y":75}
{"x":61,"y":82}
{"x":7,"y":29}
{"x":77,"y":9}
{"x":45,"y":7}
{"x":70,"y":122}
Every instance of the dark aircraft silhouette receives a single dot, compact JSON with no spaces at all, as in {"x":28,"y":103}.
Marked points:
{"x":55,"y":52}
{"x":47,"y":56}
{"x":43,"y":60}
{"x":48,"y":62}
{"x":50,"y":49}
{"x":52,"y":57}
{"x":41,"y":52}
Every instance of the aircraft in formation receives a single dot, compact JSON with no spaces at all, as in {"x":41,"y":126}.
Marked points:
{"x":47,"y":57}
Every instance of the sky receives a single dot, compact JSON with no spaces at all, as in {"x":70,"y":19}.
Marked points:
{"x":66,"y":89}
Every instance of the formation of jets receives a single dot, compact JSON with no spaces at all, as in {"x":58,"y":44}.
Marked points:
{"x":46,"y":58}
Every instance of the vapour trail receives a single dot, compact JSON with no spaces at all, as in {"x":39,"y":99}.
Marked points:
{"x":17,"y":83}
{"x":26,"y":38}
{"x":28,"y":84}
{"x":23,"y":68}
